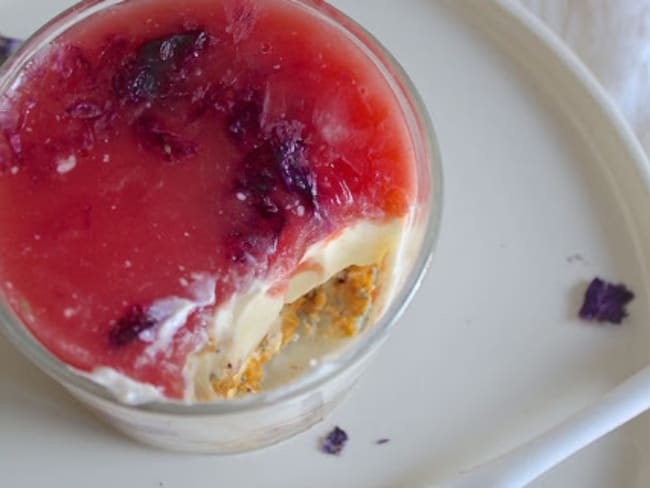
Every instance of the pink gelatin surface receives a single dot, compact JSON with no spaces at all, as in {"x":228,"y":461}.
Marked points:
{"x":158,"y":143}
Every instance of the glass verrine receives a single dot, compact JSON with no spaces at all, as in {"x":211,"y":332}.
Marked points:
{"x":262,"y":419}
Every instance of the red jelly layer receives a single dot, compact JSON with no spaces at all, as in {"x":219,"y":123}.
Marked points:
{"x":159,"y":140}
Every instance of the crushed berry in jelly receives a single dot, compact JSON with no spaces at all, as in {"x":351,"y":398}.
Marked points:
{"x":127,"y":329}
{"x":157,"y":65}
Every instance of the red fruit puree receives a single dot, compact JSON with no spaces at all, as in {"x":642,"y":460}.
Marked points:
{"x":159,"y":142}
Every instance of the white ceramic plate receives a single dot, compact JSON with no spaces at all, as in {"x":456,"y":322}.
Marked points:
{"x":545,"y":188}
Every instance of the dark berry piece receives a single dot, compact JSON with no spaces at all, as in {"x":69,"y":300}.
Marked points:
{"x":290,"y":156}
{"x":127,"y":329}
{"x":176,"y":48}
{"x":145,"y":84}
{"x":150,"y":75}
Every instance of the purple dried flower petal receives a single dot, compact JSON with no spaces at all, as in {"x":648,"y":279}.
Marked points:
{"x":8,"y":46}
{"x":334,"y":442}
{"x":605,"y":302}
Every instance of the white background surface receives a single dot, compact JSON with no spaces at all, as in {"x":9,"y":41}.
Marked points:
{"x":490,"y":352}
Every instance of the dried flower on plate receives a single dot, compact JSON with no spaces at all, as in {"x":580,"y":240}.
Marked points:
{"x":334,"y":442}
{"x":605,"y":302}
{"x":7,"y":47}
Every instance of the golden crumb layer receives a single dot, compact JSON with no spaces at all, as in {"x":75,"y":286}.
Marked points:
{"x":336,"y":309}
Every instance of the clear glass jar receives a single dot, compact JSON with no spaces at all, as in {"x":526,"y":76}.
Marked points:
{"x":252,"y":422}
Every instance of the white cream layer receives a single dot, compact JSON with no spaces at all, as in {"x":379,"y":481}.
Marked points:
{"x":240,"y":324}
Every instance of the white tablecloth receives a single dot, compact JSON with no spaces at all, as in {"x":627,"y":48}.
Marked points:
{"x":612,"y":37}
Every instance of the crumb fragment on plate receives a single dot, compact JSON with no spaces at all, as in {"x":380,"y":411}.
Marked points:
{"x":334,"y":442}
{"x":606,"y":302}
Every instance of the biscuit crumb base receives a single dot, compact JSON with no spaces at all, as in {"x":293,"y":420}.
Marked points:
{"x":334,"y":310}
